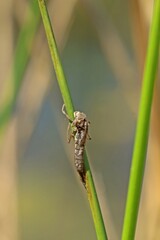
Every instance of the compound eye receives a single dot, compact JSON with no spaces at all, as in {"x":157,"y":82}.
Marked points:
{"x":75,"y":113}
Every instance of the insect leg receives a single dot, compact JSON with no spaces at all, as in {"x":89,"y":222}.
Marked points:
{"x":88,"y":137}
{"x":63,"y":111}
{"x":70,"y":135}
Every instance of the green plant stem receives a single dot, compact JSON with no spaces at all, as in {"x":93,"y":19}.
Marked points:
{"x":92,"y":195}
{"x":94,"y":203}
{"x":56,"y":60}
{"x":141,"y":138}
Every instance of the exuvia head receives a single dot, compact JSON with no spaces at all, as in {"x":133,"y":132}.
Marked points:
{"x":79,"y":115}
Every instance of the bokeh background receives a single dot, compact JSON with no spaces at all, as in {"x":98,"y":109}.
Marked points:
{"x":102,"y":46}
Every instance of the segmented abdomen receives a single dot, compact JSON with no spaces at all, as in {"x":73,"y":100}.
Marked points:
{"x":80,"y":139}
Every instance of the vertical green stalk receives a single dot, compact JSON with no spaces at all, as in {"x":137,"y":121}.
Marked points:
{"x":141,"y":138}
{"x":56,"y":60}
{"x":92,"y":195}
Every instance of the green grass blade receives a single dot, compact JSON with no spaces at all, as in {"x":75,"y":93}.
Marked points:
{"x":92,"y":196}
{"x":20,"y":60}
{"x":141,"y":138}
{"x":94,"y":203}
{"x":56,"y":60}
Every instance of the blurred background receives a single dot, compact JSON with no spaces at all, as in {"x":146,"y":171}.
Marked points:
{"x":102,"y":46}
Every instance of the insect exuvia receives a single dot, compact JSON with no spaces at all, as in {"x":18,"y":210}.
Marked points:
{"x":79,"y":131}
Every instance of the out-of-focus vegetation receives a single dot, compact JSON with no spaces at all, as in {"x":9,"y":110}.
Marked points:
{"x":102,"y":45}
